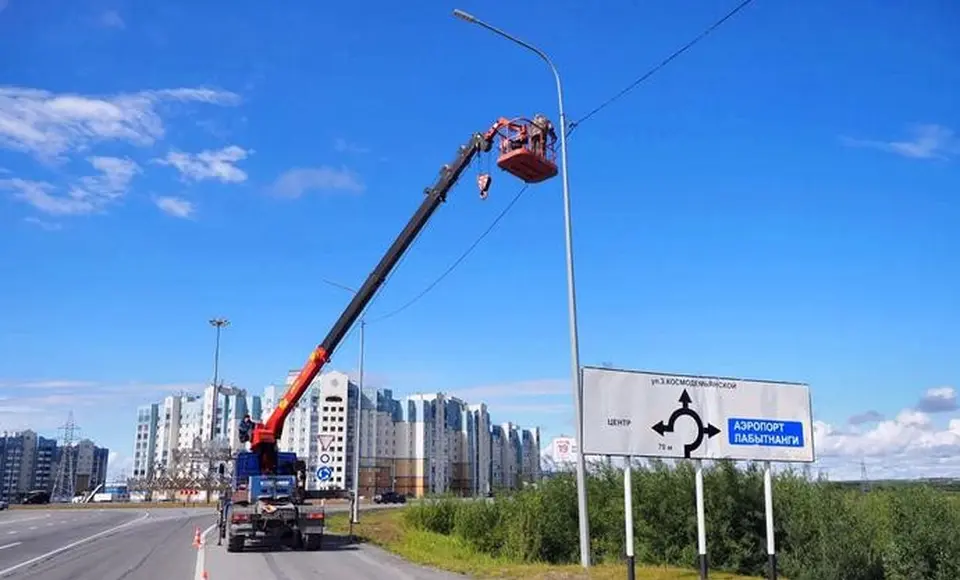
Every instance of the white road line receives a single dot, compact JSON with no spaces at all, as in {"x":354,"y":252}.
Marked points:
{"x":201,"y":558}
{"x":72,"y":545}
{"x":10,"y":545}
{"x":13,"y":532}
{"x":21,"y":520}
{"x":33,"y":527}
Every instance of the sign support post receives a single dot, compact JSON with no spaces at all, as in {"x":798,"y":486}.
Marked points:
{"x":701,"y":524}
{"x":628,"y":516}
{"x":694,"y":417}
{"x":768,"y":508}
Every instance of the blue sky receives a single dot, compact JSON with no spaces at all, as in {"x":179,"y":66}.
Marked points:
{"x":780,"y":202}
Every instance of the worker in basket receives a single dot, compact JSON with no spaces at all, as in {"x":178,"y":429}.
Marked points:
{"x":245,"y":428}
{"x":541,"y":129}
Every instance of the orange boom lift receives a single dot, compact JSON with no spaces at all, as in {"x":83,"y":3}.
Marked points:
{"x":526,"y":150}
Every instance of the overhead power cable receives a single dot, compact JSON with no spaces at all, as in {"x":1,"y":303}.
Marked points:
{"x":569,"y":131}
{"x":706,"y":32}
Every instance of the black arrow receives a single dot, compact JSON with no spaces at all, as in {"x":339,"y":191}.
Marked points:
{"x":710,"y":430}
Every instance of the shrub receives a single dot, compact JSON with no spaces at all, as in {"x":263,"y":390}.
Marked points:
{"x":823,"y":531}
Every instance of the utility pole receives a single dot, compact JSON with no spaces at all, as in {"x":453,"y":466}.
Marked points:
{"x":219,"y":324}
{"x":64,"y":485}
{"x":355,"y":508}
{"x":356,"y":439}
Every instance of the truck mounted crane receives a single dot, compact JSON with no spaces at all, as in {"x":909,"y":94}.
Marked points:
{"x":268,"y":498}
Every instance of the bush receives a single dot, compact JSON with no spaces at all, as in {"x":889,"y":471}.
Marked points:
{"x":823,"y":531}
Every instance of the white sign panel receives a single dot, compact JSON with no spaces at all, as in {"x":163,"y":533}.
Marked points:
{"x":681,"y":416}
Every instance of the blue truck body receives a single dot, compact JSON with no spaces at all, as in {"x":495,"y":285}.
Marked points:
{"x":270,"y":508}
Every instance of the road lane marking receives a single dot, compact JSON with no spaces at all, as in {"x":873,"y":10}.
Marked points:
{"x":10,"y":545}
{"x":33,"y":527}
{"x":72,"y":545}
{"x":198,"y":569}
{"x":13,"y":532}
{"x":21,"y":520}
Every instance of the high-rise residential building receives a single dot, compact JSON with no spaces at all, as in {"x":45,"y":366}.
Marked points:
{"x":530,"y":456}
{"x":89,"y":464}
{"x":320,"y":427}
{"x":145,"y":445}
{"x":416,"y":445}
{"x":29,"y":462}
{"x":481,"y":425}
{"x":185,"y":421}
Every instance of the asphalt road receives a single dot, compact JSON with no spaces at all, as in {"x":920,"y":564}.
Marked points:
{"x":107,"y":544}
{"x":122,"y":544}
{"x":337,"y":560}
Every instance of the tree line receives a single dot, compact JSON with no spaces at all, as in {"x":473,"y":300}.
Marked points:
{"x":824,"y":531}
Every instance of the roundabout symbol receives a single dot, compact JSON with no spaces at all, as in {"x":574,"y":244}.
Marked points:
{"x":709,"y":430}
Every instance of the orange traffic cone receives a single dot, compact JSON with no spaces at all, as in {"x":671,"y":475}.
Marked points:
{"x":196,"y":539}
{"x":204,"y":575}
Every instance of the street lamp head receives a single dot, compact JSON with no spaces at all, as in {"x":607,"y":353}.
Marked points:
{"x":219,"y":322}
{"x":464,"y":15}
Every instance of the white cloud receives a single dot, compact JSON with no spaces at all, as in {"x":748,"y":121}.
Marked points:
{"x":119,"y":466}
{"x":909,"y":445}
{"x":295,"y":182}
{"x":47,"y":384}
{"x":938,"y":400}
{"x":343,"y":146}
{"x":87,"y":195}
{"x":42,"y":224}
{"x":175,"y":206}
{"x":218,"y":165}
{"x":111,"y":19}
{"x":930,"y":141}
{"x":519,"y":389}
{"x":865,"y":417}
{"x":50,"y":125}
{"x":43,"y":404}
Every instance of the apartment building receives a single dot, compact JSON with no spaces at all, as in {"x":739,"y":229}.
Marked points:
{"x":186,"y":421}
{"x":30,"y":462}
{"x":415,"y":445}
{"x":320,"y":429}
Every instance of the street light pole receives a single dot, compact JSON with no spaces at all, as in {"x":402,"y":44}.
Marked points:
{"x":571,"y":288}
{"x":356,"y":438}
{"x":219,"y":324}
{"x":355,"y":509}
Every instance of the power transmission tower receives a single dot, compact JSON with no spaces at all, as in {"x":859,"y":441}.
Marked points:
{"x":63,"y":485}
{"x":864,"y":482}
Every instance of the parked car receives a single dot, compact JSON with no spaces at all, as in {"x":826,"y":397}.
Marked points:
{"x":390,"y":497}
{"x":3,"y":505}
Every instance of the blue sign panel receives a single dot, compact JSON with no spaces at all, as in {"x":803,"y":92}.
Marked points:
{"x":765,"y":432}
{"x":324,"y":473}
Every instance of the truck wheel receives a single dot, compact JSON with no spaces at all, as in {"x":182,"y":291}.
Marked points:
{"x":235,"y":543}
{"x":313,"y":542}
{"x":297,"y":541}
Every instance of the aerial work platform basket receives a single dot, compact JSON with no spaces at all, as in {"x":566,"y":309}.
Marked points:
{"x":527,"y":149}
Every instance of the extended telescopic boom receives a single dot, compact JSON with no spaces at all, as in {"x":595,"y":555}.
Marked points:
{"x":529,"y":164}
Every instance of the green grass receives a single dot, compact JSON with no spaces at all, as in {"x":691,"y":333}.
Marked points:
{"x":385,"y":528}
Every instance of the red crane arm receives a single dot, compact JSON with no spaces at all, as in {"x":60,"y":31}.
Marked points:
{"x":265,"y":435}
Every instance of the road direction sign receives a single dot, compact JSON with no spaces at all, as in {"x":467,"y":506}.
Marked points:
{"x":324,"y":473}
{"x":325,"y":441}
{"x":635,"y":413}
